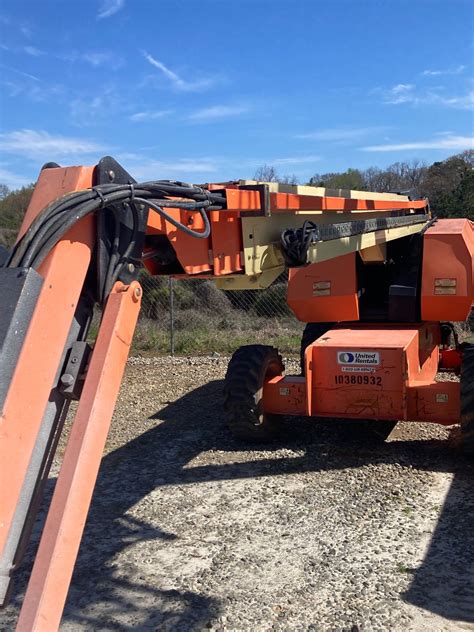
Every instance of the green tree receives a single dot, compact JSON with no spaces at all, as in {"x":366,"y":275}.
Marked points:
{"x":13,"y":205}
{"x":350,"y":179}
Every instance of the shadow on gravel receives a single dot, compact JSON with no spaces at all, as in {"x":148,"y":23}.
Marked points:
{"x":444,"y":583}
{"x":193,"y":424}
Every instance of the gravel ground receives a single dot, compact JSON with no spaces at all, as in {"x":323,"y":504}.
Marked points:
{"x":192,"y":530}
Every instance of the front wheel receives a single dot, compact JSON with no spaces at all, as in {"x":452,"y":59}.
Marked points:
{"x":249,"y":368}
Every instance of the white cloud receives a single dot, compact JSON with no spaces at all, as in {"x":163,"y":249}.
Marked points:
{"x":401,"y":93}
{"x":444,"y":141}
{"x":12,"y":180}
{"x":34,"y":52}
{"x":340,"y":133}
{"x":110,"y":7}
{"x":26,"y":30}
{"x":178,"y":82}
{"x":138,"y":117}
{"x":20,"y":72}
{"x":295,"y":160}
{"x":40,"y":144}
{"x":97,"y":59}
{"x":143,"y":168}
{"x":449,"y":71}
{"x":408,"y":93}
{"x":34,"y":90}
{"x":217,"y":112}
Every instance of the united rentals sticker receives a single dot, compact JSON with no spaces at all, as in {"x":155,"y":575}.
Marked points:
{"x":363,"y":358}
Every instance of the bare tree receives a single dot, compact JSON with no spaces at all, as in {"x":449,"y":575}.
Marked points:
{"x":266,"y":173}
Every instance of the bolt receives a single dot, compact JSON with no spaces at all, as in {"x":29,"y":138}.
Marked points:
{"x":67,"y":379}
{"x":137,"y":292}
{"x":131,"y":268}
{"x":111,"y":175}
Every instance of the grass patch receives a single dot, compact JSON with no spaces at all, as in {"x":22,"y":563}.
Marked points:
{"x":218,"y":335}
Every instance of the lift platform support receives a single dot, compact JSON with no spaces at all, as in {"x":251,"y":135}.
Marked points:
{"x":376,"y":278}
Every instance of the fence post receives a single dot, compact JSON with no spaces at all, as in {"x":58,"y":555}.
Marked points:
{"x":171,"y":292}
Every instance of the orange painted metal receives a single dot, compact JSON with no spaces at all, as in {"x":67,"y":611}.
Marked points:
{"x":370,"y":372}
{"x":447,"y":290}
{"x":52,"y":570}
{"x":285,"y":395}
{"x":64,"y":271}
{"x":326,"y":291}
{"x":244,"y":200}
{"x":193,"y":254}
{"x":294,"y":202}
{"x":226,"y":237}
{"x":52,"y":184}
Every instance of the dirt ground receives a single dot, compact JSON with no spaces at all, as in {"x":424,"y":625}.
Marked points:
{"x":192,"y":530}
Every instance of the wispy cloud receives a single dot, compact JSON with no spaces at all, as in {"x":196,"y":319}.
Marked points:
{"x":401,"y":93}
{"x":443,"y":141}
{"x":341,"y":133}
{"x":32,"y":88}
{"x":94,"y":107}
{"x":142,"y":168}
{"x":40,"y":144}
{"x":110,"y":7}
{"x":217,"y":112}
{"x":294,"y":160}
{"x":139,"y":117}
{"x":33,"y":51}
{"x":12,"y":180}
{"x":26,"y":30}
{"x":97,"y":59}
{"x":176,"y":80}
{"x":448,"y":71}
{"x":409,"y":93}
{"x":20,"y":72}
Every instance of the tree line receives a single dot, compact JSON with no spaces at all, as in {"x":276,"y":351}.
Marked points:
{"x":448,"y":184}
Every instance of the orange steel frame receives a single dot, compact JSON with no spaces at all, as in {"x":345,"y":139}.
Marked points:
{"x":402,"y":385}
{"x":64,"y":272}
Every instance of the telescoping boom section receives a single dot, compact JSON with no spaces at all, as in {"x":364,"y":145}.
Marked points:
{"x":377,"y":279}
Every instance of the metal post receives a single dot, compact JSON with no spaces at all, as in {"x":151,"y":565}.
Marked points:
{"x":171,"y":291}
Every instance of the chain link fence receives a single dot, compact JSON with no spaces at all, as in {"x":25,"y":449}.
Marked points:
{"x":191,"y":316}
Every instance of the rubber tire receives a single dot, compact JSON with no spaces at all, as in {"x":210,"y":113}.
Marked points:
{"x":312,"y":332}
{"x":248,"y":369}
{"x":467,"y":400}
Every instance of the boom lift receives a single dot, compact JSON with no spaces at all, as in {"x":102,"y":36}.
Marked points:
{"x":376,"y":278}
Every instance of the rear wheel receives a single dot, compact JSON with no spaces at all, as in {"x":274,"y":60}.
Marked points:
{"x":312,"y":332}
{"x":249,"y":368}
{"x":467,"y":400}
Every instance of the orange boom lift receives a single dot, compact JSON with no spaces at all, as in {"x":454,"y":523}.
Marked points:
{"x":377,"y":280}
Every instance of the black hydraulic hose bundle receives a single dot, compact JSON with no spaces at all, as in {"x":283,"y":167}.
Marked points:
{"x":51,"y":225}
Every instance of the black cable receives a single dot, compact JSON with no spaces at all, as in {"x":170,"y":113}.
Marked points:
{"x":59,"y":216}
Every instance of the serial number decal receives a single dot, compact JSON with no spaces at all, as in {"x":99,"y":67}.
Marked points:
{"x":366,"y":380}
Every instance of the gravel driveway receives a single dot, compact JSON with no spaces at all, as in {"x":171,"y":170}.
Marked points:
{"x":192,"y":530}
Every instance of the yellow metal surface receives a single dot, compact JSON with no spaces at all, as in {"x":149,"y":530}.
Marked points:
{"x":276,"y":187}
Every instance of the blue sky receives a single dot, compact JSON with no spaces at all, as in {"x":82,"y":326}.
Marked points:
{"x":210,"y":90}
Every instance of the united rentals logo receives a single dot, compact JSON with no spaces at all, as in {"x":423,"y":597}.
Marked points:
{"x":358,"y":357}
